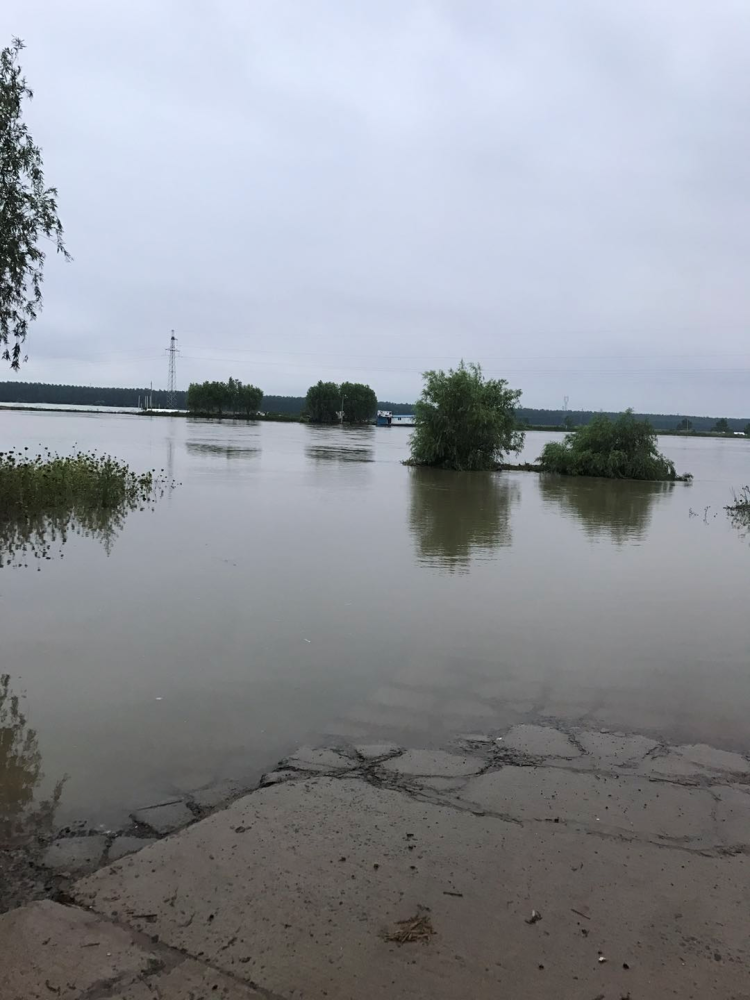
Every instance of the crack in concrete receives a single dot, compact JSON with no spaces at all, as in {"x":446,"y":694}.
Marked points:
{"x":169,"y":958}
{"x":495,"y":757}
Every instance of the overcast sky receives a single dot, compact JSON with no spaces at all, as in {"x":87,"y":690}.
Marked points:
{"x":362,"y":189}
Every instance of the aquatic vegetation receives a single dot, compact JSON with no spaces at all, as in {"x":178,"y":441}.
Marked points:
{"x":43,"y":498}
{"x":739,"y":511}
{"x":623,"y":448}
{"x":464,"y":422}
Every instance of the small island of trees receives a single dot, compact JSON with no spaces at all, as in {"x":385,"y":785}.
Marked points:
{"x":350,"y":402}
{"x":230,"y":398}
{"x":465,"y":422}
{"x":624,"y":448}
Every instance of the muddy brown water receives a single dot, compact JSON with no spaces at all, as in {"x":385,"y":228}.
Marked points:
{"x":301,"y":585}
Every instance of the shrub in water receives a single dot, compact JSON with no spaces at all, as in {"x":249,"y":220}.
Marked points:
{"x":464,"y":421}
{"x":43,"y":498}
{"x":623,"y":448}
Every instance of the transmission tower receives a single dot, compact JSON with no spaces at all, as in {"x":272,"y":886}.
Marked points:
{"x":172,"y":385}
{"x":566,"y":400}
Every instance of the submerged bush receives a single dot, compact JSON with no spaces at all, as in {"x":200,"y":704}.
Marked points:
{"x":44,"y":498}
{"x":739,"y":511}
{"x":623,"y":448}
{"x":741,"y":503}
{"x":464,"y":422}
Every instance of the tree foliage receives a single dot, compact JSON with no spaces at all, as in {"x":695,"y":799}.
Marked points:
{"x":323,"y":402}
{"x":326,"y":399}
{"x":464,"y":421}
{"x":685,"y":425}
{"x":623,"y":448}
{"x":360,"y":402}
{"x":28,"y":211}
{"x":721,"y":426}
{"x":224,"y":398}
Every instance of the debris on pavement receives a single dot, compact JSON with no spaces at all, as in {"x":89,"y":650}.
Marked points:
{"x":534,"y":918}
{"x":417,"y":928}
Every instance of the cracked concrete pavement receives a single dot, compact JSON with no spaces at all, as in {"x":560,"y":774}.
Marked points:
{"x":633,"y":854}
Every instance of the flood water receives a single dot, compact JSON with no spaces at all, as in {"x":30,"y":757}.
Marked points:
{"x":301,"y":584}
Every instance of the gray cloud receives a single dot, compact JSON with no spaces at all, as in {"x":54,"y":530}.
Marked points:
{"x":309,"y":188}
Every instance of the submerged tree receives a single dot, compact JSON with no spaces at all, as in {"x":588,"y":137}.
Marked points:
{"x":624,"y":448}
{"x":464,"y":421}
{"x":28,"y":211}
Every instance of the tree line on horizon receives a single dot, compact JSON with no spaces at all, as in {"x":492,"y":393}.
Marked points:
{"x":85,"y":395}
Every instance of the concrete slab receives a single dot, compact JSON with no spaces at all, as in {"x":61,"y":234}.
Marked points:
{"x":733,"y":815}
{"x":698,"y":760}
{"x":188,"y":981}
{"x":277,"y":777}
{"x":442,"y":784}
{"x":52,"y":951}
{"x":166,"y":817}
{"x":372,"y":751}
{"x":434,"y":763}
{"x":311,"y":759}
{"x":122,"y":846}
{"x":75,"y":854}
{"x":295,"y":889}
{"x":217,"y":794}
{"x":621,"y":805}
{"x":540,"y":741}
{"x":713,"y":759}
{"x":614,"y":750}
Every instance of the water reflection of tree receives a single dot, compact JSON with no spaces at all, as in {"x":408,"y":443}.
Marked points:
{"x":618,"y":509}
{"x":339,"y":444}
{"x":35,"y":535}
{"x":323,"y":453}
{"x":456,"y":515}
{"x":23,"y":819}
{"x":221,"y":450}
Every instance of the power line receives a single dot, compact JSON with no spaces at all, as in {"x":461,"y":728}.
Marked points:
{"x":486,"y":357}
{"x":515,"y":372}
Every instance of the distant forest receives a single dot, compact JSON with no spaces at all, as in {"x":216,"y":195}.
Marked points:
{"x":85,"y":395}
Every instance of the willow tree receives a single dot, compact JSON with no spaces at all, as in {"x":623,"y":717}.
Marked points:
{"x":465,"y":421}
{"x":623,"y":448}
{"x":28,"y":212}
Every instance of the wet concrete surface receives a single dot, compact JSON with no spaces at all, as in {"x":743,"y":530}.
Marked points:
{"x":546,"y":864}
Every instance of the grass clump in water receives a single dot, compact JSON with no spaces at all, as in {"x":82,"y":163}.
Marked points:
{"x":741,"y":503}
{"x":739,"y":511}
{"x":623,"y":448}
{"x":45,"y":497}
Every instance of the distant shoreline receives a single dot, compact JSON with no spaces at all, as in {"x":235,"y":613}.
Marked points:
{"x":294,"y":418}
